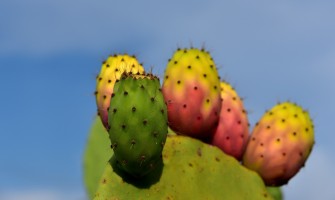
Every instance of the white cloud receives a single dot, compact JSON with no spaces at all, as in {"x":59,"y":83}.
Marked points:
{"x":38,"y":194}
{"x":315,"y":181}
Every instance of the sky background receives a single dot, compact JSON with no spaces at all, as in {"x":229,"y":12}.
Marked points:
{"x":51,"y":51}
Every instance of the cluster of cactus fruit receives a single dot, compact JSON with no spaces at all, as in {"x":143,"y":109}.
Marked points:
{"x":137,"y":112}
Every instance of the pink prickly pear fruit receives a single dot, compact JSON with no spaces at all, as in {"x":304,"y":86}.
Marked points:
{"x":280,"y":143}
{"x":111,"y":71}
{"x":191,"y":90}
{"x":231,"y":135}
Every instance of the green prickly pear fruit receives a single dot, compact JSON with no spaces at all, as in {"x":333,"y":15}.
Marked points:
{"x":111,"y":71}
{"x":137,"y":123}
{"x":191,"y":89}
{"x":280,"y":143}
{"x":231,"y":135}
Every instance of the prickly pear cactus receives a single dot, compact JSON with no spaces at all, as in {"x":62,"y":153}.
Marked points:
{"x":190,"y":170}
{"x":280,"y":143}
{"x":111,"y":71}
{"x":191,"y":90}
{"x":232,"y":133}
{"x":137,"y":123}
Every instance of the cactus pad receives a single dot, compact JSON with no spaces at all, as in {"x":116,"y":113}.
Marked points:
{"x":190,"y":170}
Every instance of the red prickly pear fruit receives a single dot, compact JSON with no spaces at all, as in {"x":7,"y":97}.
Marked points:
{"x":111,"y":71}
{"x":231,"y":135}
{"x":280,"y":143}
{"x":191,"y":90}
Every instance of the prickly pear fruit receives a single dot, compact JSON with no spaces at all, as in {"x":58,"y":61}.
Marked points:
{"x":191,"y":89}
{"x":111,"y":71}
{"x":280,"y":143}
{"x":192,"y":170}
{"x":138,"y":123}
{"x":232,"y":133}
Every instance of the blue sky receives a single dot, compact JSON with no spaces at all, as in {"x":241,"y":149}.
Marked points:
{"x":51,"y":51}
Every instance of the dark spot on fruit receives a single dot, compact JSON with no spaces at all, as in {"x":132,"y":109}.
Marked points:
{"x":227,"y":138}
{"x":152,"y":99}
{"x":109,"y":81}
{"x":284,"y":107}
{"x":205,"y":75}
{"x":301,"y":154}
{"x":242,"y":136}
{"x":228,"y":110}
{"x":253,"y":139}
{"x":113,"y":146}
{"x":283,"y":120}
{"x":123,"y":126}
{"x":199,"y":152}
{"x":113,"y":94}
{"x":307,"y":129}
{"x":262,"y":156}
{"x":239,"y":122}
{"x":185,"y":50}
{"x":104,"y":96}
{"x":116,"y":70}
{"x":95,"y":93}
{"x":189,"y":67}
{"x":122,"y":59}
{"x":142,"y":87}
{"x":278,"y":140}
{"x":197,"y":57}
{"x":145,"y":122}
{"x":268,"y":127}
{"x":199,"y":118}
{"x":100,"y":78}
{"x":217,"y":159}
{"x":133,"y":65}
{"x":107,"y":65}
{"x":155,"y":134}
{"x":284,"y":154}
{"x":295,"y":115}
{"x":108,"y":109}
{"x":184,"y":106}
{"x":133,"y":142}
{"x":125,"y":93}
{"x":162,"y":111}
{"x":133,"y":109}
{"x":114,"y":110}
{"x":104,"y":181}
{"x":215,"y":87}
{"x":207,"y":100}
{"x":294,"y":133}
{"x":190,"y":164}
{"x":175,"y":62}
{"x":195,"y":87}
{"x":270,"y":113}
{"x":234,"y":98}
{"x":211,"y":66}
{"x":261,"y":144}
{"x":265,"y":195}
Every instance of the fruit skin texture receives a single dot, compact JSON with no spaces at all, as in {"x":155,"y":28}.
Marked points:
{"x":280,"y":143}
{"x":231,"y":135}
{"x":111,"y":71}
{"x":191,"y":89}
{"x":138,"y":123}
